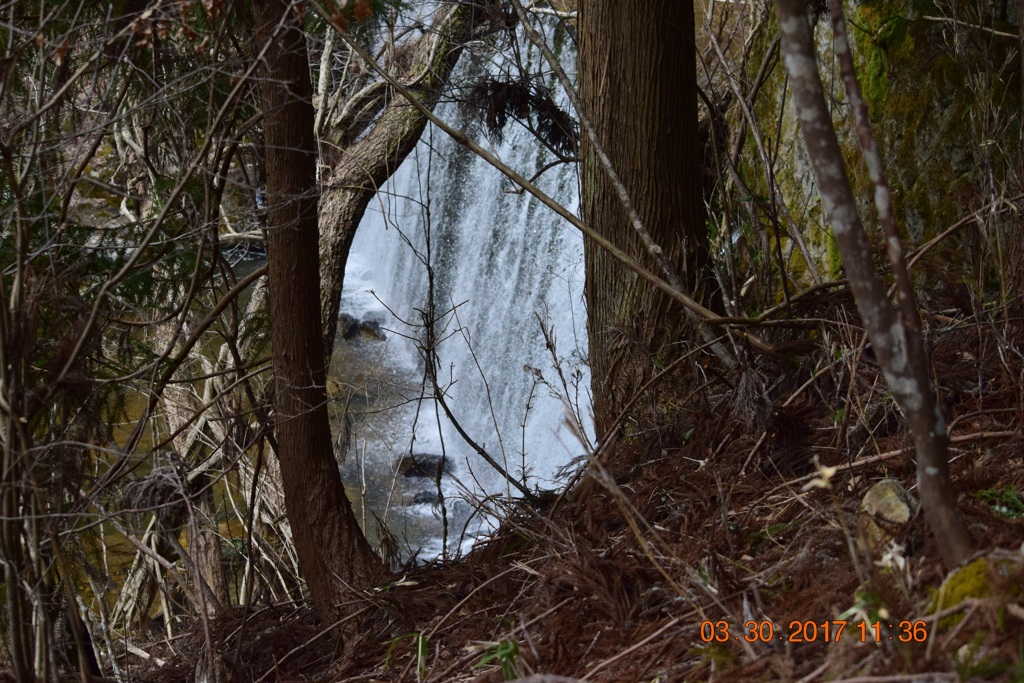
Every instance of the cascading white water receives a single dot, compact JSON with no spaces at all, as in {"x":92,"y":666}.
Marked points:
{"x":502,"y":259}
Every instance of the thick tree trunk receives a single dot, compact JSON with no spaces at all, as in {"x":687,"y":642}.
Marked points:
{"x":637,"y":64}
{"x":334,"y":556}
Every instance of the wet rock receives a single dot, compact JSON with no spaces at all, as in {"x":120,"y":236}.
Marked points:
{"x":423,"y":465}
{"x":425,"y":498}
{"x":350,"y":328}
{"x":372,"y":330}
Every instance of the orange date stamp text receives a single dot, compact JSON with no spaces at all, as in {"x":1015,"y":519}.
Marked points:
{"x":765,"y":631}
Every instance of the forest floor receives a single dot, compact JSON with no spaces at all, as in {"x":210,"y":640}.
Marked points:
{"x":719,"y":520}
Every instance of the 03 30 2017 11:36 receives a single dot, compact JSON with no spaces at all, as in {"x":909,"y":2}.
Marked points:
{"x":813,"y":631}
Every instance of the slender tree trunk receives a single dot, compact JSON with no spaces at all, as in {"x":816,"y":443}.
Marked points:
{"x":637,"y":63}
{"x":895,"y":339}
{"x":334,"y":556}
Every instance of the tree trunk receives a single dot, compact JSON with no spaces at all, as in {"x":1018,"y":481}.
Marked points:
{"x":334,"y":556}
{"x":896,"y":339}
{"x":637,"y":64}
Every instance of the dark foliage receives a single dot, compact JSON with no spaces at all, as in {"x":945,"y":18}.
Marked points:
{"x":496,"y":12}
{"x":526,"y":102}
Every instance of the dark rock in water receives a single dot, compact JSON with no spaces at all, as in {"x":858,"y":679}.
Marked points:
{"x":371,"y":329}
{"x":425,"y":498}
{"x":350,"y":328}
{"x":244,"y":250}
{"x":422,"y":465}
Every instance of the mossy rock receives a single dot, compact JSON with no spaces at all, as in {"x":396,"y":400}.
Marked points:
{"x":884,"y":509}
{"x":423,"y":465}
{"x":975,"y":579}
{"x":925,"y":109}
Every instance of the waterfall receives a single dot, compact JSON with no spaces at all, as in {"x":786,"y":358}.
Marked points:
{"x":504,"y":262}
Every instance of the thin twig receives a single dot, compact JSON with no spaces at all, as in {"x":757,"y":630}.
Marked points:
{"x":963,"y":438}
{"x":632,"y":648}
{"x":986,"y":29}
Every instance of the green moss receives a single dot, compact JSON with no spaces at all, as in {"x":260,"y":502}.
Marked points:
{"x":713,"y":653}
{"x":918,"y":93}
{"x":833,"y":259}
{"x":970,"y":581}
{"x":883,"y":40}
{"x":973,"y":580}
{"x":923,"y":101}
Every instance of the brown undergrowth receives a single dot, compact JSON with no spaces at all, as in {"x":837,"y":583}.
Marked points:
{"x":721,"y":517}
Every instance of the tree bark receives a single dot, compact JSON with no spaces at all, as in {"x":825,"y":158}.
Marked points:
{"x":334,"y":556}
{"x":637,"y":64}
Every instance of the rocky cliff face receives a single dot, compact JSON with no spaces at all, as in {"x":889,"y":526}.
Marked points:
{"x":943,"y":87}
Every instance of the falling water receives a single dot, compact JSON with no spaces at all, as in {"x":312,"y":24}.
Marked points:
{"x":505,"y":264}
